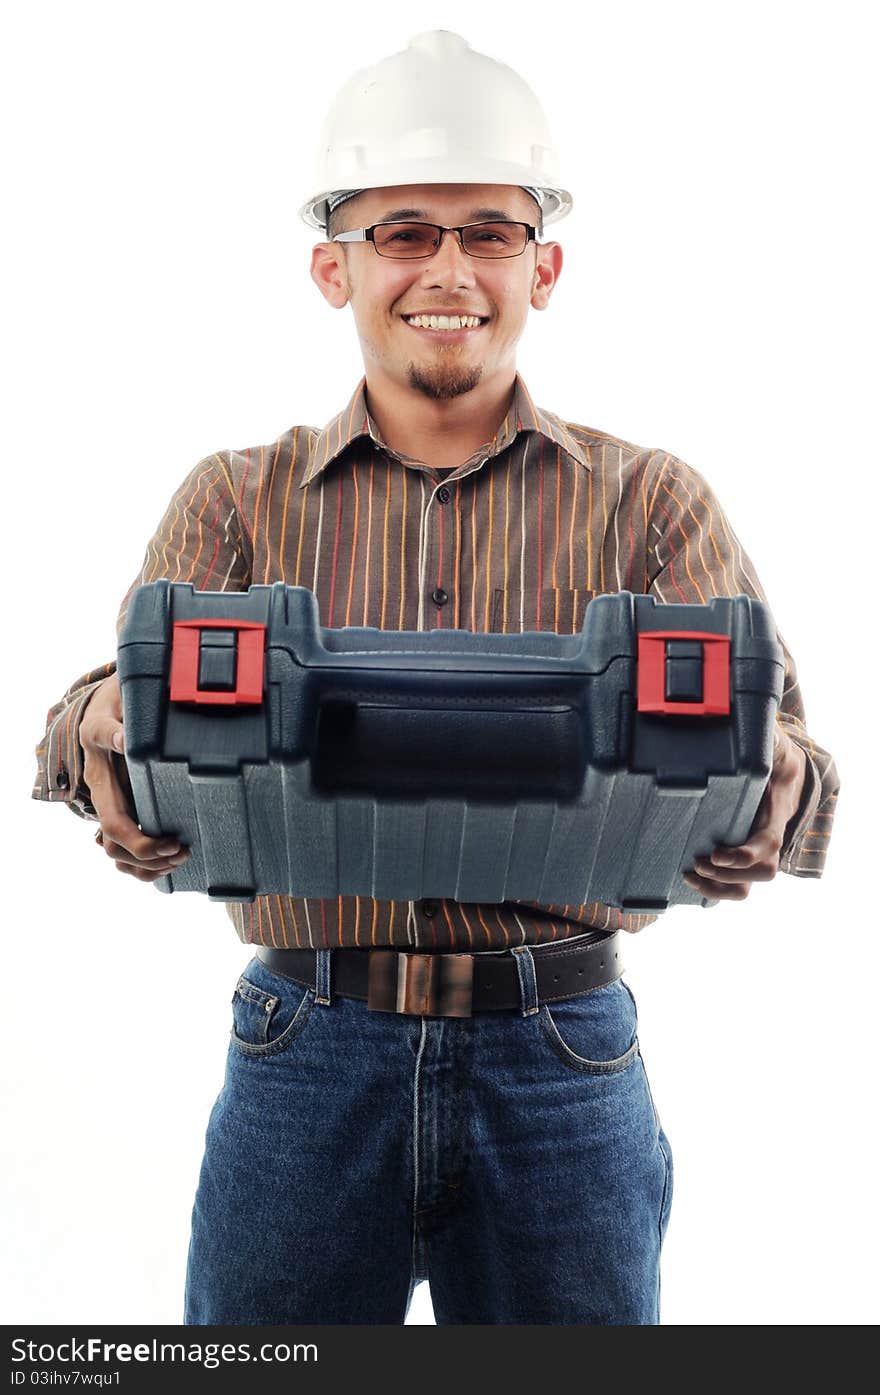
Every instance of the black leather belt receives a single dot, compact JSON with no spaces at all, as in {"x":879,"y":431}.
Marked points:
{"x":451,"y":984}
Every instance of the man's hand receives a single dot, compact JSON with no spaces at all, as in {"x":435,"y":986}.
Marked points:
{"x":729,"y":872}
{"x":101,"y":738}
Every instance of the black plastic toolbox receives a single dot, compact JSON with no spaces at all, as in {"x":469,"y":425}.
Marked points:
{"x":298,"y":760}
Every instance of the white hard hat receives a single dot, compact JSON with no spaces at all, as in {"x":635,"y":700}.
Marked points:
{"x":435,"y":113}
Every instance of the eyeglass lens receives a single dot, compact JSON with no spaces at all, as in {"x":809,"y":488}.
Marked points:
{"x":420,"y":239}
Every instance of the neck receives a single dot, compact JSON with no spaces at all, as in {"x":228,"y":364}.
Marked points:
{"x":442,"y":432}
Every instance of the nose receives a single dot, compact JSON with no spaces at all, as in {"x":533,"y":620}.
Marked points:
{"x":449,"y":254}
{"x":455,"y":236}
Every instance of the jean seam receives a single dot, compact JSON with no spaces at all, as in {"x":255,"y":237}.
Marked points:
{"x":665,"y":1188}
{"x":614,"y":1067}
{"x":416,"y":1126}
{"x":667,"y":1162}
{"x":650,"y":1096}
{"x":290,"y":1033}
{"x":245,"y":989}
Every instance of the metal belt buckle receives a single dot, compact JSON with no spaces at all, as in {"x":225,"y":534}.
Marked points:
{"x":428,"y":985}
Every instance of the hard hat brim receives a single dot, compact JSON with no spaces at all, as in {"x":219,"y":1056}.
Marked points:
{"x":557,"y":202}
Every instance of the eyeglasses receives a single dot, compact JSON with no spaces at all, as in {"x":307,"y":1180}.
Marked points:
{"x":414,"y":240}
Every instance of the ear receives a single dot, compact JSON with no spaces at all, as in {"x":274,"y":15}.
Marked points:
{"x":548,"y":267}
{"x":329,"y":271}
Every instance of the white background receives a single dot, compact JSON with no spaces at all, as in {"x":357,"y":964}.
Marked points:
{"x":718,"y":299}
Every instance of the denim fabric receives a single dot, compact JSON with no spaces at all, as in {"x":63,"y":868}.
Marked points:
{"x":513,"y":1158}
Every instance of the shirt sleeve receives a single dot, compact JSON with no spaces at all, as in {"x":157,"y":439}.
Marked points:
{"x":693,"y":555}
{"x":200,"y":539}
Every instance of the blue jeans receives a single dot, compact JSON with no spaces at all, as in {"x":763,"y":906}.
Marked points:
{"x":513,"y":1158}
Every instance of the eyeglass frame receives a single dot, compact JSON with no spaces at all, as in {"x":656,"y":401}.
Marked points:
{"x":367,"y":235}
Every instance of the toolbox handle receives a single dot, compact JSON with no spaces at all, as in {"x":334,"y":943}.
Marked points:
{"x":502,"y":752}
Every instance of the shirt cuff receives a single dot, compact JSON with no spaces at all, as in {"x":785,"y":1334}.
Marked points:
{"x":801,"y":822}
{"x":63,"y":780}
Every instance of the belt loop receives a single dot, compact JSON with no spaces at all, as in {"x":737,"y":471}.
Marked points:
{"x":528,"y":984}
{"x":322,"y":976}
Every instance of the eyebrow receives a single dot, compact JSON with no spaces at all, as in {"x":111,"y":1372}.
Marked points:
{"x":395,"y":213}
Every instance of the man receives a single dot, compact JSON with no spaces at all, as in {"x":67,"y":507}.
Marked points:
{"x":513,"y":1156}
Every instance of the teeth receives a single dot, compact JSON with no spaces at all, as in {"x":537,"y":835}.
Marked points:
{"x":443,"y":321}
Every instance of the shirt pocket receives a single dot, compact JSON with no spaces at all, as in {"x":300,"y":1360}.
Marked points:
{"x":555,"y":608}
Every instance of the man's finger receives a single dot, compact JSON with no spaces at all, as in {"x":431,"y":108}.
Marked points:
{"x":124,"y":832}
{"x":105,"y":734}
{"x":161,"y":863}
{"x":717,"y":890}
{"x":105,"y":789}
{"x":758,"y":871}
{"x":112,"y":810}
{"x":140,"y":873}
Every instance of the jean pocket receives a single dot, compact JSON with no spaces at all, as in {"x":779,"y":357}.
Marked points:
{"x":596,"y":1032}
{"x":268,"y":1011}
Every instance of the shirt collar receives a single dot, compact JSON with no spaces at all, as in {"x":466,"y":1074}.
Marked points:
{"x":354,"y":421}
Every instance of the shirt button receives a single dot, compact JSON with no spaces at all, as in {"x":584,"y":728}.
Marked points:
{"x":439,"y":596}
{"x":62,"y":780}
{"x":443,"y":494}
{"x":429,"y":908}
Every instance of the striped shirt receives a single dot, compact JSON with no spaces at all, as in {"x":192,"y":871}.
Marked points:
{"x":520,"y":536}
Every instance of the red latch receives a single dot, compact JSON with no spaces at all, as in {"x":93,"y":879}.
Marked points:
{"x":185,"y":661}
{"x":651,"y":687}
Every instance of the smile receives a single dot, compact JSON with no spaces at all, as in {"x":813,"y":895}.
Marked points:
{"x":450,"y":335}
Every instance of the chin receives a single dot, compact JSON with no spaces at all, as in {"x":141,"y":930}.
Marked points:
{"x":444,"y":381}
